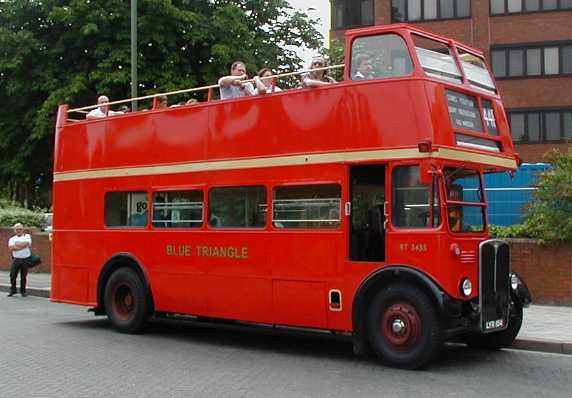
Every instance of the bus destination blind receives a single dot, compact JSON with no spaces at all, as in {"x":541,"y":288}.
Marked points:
{"x":464,"y":111}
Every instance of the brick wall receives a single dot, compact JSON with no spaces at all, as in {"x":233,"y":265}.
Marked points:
{"x":547,"y":270}
{"x":41,"y":246}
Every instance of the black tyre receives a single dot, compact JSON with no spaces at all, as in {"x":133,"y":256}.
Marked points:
{"x":126,"y":301}
{"x":404,"y":327}
{"x":498,"y":340}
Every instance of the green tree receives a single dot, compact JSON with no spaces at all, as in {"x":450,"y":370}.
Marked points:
{"x":69,"y":51}
{"x":550,"y":216}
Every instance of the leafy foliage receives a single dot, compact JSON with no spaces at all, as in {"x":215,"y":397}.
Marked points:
{"x":70,"y":51}
{"x":10,"y":215}
{"x":335,"y":54}
{"x":550,"y":216}
{"x":511,"y":231}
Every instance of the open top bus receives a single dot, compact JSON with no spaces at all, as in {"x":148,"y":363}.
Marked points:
{"x":356,"y":208}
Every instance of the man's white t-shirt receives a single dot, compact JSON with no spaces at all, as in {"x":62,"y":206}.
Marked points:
{"x":24,"y":253}
{"x":97,"y":113}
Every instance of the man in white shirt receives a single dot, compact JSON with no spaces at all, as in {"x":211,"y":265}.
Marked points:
{"x":19,"y":246}
{"x":364,"y":68}
{"x":232,"y":86}
{"x":102,"y":110}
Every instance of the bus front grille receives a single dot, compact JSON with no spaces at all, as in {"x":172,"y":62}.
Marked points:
{"x":494,"y":295}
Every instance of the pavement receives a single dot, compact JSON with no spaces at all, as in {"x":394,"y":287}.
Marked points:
{"x":545,"y":328}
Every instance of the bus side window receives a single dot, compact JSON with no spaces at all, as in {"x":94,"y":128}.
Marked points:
{"x":237,"y":207}
{"x":307,"y":206}
{"x":178,"y":209}
{"x":126,"y":209}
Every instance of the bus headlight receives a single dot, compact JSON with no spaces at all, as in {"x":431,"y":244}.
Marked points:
{"x":466,"y":287}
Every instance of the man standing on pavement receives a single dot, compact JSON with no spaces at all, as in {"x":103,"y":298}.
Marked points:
{"x":19,"y":245}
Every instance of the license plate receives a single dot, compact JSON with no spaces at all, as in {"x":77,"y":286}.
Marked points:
{"x":494,"y":324}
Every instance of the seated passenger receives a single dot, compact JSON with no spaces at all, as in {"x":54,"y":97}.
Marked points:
{"x":192,"y":101}
{"x":102,"y":110}
{"x":263,"y":81}
{"x":318,"y":78}
{"x":161,"y":102}
{"x":364,"y":69}
{"x":232,"y":86}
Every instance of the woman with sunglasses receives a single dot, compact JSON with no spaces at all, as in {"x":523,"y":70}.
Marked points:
{"x":317,"y":78}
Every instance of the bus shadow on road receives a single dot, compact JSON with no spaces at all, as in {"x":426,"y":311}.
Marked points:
{"x":292,"y":342}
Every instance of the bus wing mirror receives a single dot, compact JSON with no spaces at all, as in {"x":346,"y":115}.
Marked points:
{"x":426,"y":172}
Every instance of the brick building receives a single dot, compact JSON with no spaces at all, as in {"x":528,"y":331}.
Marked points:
{"x":527,"y":42}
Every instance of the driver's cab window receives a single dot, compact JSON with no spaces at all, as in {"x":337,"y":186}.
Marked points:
{"x":379,"y":57}
{"x":415,"y":204}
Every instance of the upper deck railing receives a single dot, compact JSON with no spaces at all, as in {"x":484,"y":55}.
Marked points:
{"x":208,"y":88}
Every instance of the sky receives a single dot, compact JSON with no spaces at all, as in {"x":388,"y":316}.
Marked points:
{"x":315,"y":9}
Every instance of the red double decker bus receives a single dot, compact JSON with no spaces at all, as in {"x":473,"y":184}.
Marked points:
{"x":355,"y":207}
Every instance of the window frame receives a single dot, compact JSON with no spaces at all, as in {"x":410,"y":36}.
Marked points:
{"x":435,"y":186}
{"x":438,"y":18}
{"x":542,"y":123}
{"x":126,"y":191}
{"x":524,"y":10}
{"x":208,"y":202}
{"x":358,"y":5}
{"x":334,"y":228}
{"x":525,"y":47}
{"x":381,"y":78}
{"x":158,"y":190}
{"x":451,"y":203}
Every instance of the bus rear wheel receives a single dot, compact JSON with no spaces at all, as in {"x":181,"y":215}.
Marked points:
{"x":126,"y":301}
{"x":403,"y":327}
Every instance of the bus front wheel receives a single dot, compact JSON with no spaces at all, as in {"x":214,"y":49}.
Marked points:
{"x":126,"y":301}
{"x":403,"y":327}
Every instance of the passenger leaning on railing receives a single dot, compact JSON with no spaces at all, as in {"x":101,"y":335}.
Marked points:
{"x":317,"y":78}
{"x":102,"y":110}
{"x":268,"y":83}
{"x":232,"y":86}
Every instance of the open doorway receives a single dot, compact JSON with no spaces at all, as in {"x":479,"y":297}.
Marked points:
{"x":367,"y":231}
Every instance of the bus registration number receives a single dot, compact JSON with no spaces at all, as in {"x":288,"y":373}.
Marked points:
{"x":494,"y":324}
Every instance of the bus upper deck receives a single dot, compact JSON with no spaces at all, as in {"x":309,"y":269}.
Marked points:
{"x":428,"y":96}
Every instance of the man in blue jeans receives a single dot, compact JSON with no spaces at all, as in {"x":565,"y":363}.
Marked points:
{"x":19,"y":245}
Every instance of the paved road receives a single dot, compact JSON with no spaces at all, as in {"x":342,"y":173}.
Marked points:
{"x":54,"y":350}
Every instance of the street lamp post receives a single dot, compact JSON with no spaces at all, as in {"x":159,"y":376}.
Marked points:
{"x":134,"y":54}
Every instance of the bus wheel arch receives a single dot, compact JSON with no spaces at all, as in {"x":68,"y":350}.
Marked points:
{"x":122,"y":260}
{"x":380,"y":280}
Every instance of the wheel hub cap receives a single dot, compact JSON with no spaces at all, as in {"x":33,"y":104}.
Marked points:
{"x":401,"y":326}
{"x":398,"y":326}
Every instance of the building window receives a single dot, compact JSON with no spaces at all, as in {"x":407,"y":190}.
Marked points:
{"x":534,"y":60}
{"x":237,"y":207}
{"x":428,"y":10}
{"x":307,"y":206}
{"x":126,"y":209}
{"x":352,"y":13}
{"x":178,"y":209}
{"x":503,"y":7}
{"x":541,"y":126}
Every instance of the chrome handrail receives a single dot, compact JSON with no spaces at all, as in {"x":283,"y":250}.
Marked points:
{"x":190,"y":90}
